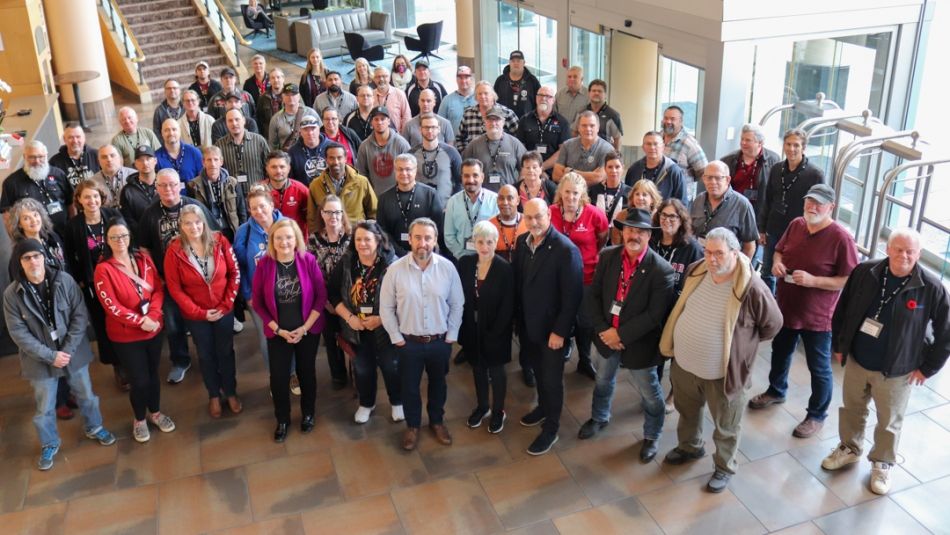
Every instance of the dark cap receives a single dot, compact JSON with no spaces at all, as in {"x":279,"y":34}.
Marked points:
{"x":821,"y":193}
{"x":227,"y":71}
{"x":636,"y":218}
{"x":517,"y":54}
{"x":379,"y":110}
{"x":309,"y":121}
{"x":291,"y":88}
{"x":144,"y":150}
{"x":422,"y":65}
{"x":231,"y":95}
{"x":495,"y":111}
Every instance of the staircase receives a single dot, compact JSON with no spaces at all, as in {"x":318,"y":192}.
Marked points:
{"x":174,"y":37}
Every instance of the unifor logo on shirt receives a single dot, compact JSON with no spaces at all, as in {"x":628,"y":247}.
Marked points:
{"x":383,"y":164}
{"x":77,"y":174}
{"x":168,"y":228}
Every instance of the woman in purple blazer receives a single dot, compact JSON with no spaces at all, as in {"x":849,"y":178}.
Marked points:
{"x":289,"y":294}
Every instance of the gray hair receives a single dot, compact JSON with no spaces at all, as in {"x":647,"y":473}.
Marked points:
{"x":904,"y":232}
{"x":755,"y":130}
{"x":724,"y":235}
{"x":191,"y":92}
{"x":425,"y":222}
{"x":484,"y":230}
{"x":721,"y":166}
{"x":406,"y":158}
{"x":211,"y":149}
{"x":37,"y":144}
{"x":168,"y":171}
{"x":587,"y":114}
{"x":27,"y":204}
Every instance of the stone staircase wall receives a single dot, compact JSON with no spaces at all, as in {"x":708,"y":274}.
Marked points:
{"x":174,"y":37}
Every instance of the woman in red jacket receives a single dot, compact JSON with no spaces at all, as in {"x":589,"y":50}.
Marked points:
{"x":128,"y":286}
{"x":202,"y":276}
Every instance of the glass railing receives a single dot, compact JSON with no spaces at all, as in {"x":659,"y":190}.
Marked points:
{"x":130,"y":47}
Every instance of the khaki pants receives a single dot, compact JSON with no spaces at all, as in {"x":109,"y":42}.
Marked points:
{"x":890,"y":395}
{"x":690,"y":393}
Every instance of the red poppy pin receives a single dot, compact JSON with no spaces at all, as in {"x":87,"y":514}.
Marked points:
{"x":911,"y":304}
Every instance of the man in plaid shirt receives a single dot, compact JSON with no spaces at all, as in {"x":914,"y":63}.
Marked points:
{"x":473,"y":119}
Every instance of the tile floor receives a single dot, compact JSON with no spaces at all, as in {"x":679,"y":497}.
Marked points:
{"x":228,"y":476}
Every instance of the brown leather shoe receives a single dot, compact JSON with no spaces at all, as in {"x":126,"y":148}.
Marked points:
{"x":214,"y":407}
{"x":808,"y":428}
{"x":234,"y":403}
{"x":410,"y":438}
{"x":441,"y":434}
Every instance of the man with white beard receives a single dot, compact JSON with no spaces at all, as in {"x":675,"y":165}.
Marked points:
{"x":37,"y":180}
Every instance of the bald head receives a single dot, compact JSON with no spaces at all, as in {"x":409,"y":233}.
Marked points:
{"x":537,"y":217}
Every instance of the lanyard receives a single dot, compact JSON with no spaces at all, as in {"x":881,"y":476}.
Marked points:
{"x":794,"y":175}
{"x":509,"y":245}
{"x":365,"y":272}
{"x":240,"y":156}
{"x":613,"y":202}
{"x":147,"y":189}
{"x":45,"y":301}
{"x":405,"y":210}
{"x":430,"y":167}
{"x":711,"y":216}
{"x":179,"y":160}
{"x":667,"y":252}
{"x":202,"y":262}
{"x":494,"y":155}
{"x":577,"y":215}
{"x":478,"y":203}
{"x":885,"y":301}
{"x":545,"y":127}
{"x":98,"y":239}
{"x":526,"y":195}
{"x":625,"y":281}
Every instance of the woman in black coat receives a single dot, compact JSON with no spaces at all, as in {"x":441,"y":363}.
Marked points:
{"x":489,"y":286}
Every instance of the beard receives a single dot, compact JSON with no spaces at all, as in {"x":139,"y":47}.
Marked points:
{"x":669,"y":130}
{"x":335,"y":89}
{"x":543,"y":107}
{"x":38,"y":173}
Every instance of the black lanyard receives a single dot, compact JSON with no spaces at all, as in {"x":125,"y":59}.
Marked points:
{"x":667,"y":252}
{"x":45,"y":301}
{"x":473,"y":219}
{"x":338,"y":191}
{"x":147,"y":189}
{"x":510,"y":246}
{"x":794,"y":176}
{"x":203,"y":263}
{"x":42,"y":186}
{"x":98,"y":238}
{"x":179,"y":160}
{"x":365,"y":272}
{"x":885,"y":301}
{"x":404,"y":211}
{"x":577,"y":215}
{"x":494,"y":155}
{"x":240,"y":156}
{"x":625,"y":280}
{"x":711,"y":216}
{"x":614,"y":201}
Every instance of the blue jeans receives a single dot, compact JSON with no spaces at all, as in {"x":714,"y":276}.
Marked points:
{"x":767,"y":277}
{"x":368,"y":358}
{"x":433,"y":358}
{"x":44,"y":391}
{"x":817,"y":356}
{"x":175,"y":330}
{"x":214,"y":341}
{"x":647,"y":383}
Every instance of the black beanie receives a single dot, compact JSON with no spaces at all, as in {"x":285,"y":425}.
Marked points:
{"x":24,"y":247}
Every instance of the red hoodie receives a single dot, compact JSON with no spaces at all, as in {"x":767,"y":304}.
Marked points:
{"x":187,"y":285}
{"x":121,"y":301}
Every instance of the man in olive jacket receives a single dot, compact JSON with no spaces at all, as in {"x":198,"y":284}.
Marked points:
{"x":713,"y":334}
{"x":47,"y":318}
{"x":627,"y":304}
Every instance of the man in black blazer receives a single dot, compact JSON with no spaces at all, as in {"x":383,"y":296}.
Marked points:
{"x":549,"y":284}
{"x":627,"y":305}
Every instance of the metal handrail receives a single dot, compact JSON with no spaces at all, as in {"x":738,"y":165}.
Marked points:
{"x":852,"y":150}
{"x":917,"y":207}
{"x":135,"y":54}
{"x":819,"y":98}
{"x":224,"y":20}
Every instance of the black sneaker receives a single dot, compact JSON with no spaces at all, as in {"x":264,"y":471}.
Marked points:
{"x":678,"y":456}
{"x":528,"y":377}
{"x":542,"y":444}
{"x":497,"y":422}
{"x":479,"y":414}
{"x":590,"y":428}
{"x":533,"y":418}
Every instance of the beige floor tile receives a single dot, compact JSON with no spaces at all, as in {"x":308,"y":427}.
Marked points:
{"x":287,"y":525}
{"x":452,"y":505}
{"x":377,"y":465}
{"x":471,"y":449}
{"x":80,"y":470}
{"x":125,"y":511}
{"x":709,"y":513}
{"x":203,"y":503}
{"x":624,"y":517}
{"x":805,"y":528}
{"x":16,"y":480}
{"x":165,"y":456}
{"x":247,"y":439}
{"x":876,"y":517}
{"x":609,"y":468}
{"x":532,"y":490}
{"x":927,"y":503}
{"x":767,"y":432}
{"x":762,"y":484}
{"x":375,"y":515}
{"x":35,"y":520}
{"x":289,"y":485}
{"x":925,"y":448}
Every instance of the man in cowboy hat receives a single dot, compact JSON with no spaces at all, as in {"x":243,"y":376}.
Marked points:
{"x":627,"y":305}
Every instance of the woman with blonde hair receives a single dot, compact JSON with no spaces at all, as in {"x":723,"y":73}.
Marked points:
{"x":362,"y":75}
{"x":573,"y":215}
{"x":289,"y":294}
{"x":643,"y":195}
{"x":313,"y":77}
{"x":202,"y":276}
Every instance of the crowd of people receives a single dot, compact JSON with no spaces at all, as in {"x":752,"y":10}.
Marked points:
{"x":394,"y":220}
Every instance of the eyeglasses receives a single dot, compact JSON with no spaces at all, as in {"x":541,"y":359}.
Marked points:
{"x":332,"y":213}
{"x":119,"y":237}
{"x":669,"y":217}
{"x":715,"y":177}
{"x":168,"y":186}
{"x":718,"y":255}
{"x":545,"y":96}
{"x":33,"y":256}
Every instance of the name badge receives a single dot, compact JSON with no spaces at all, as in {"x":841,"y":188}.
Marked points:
{"x":615,"y":308}
{"x":366,"y":310}
{"x":144,"y":307}
{"x":54,"y":335}
{"x":542,"y":149}
{"x":54,"y":208}
{"x":872,"y":327}
{"x":590,"y":159}
{"x":494,"y":178}
{"x":242,"y":178}
{"x":469,"y":245}
{"x":789,"y":278}
{"x":404,"y":237}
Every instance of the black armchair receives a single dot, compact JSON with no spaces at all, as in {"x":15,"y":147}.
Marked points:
{"x":257,"y":26}
{"x":430,"y":37}
{"x":359,"y":48}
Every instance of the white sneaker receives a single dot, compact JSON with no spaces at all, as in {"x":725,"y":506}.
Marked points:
{"x":880,"y":478}
{"x":363,"y":413}
{"x":839,"y":458}
{"x":238,"y":326}
{"x":398,"y":415}
{"x":140,"y":431}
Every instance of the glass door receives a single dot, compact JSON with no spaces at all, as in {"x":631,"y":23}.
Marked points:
{"x":589,"y":50}
{"x":681,"y":85}
{"x":533,"y":34}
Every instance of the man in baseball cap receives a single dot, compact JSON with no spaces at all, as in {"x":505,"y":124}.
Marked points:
{"x":516,"y":86}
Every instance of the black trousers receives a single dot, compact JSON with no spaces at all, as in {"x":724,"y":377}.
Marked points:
{"x":499,"y":386}
{"x":140,"y":361}
{"x":548,"y":365}
{"x":304,"y":355}
{"x":335,"y":357}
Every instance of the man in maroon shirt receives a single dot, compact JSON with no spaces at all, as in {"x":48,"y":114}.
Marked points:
{"x":812,"y":262}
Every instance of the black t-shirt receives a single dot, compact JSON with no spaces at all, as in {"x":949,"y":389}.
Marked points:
{"x":289,"y":296}
{"x":546,"y":137}
{"x":871,"y":352}
{"x":168,"y":224}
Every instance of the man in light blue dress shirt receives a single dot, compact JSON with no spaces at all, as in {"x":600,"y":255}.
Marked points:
{"x":467,"y":207}
{"x":420,"y":305}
